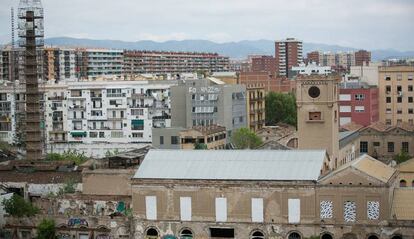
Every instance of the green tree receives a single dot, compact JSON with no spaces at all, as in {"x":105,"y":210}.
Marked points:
{"x":402,"y":157}
{"x":281,"y":108}
{"x":200,"y":146}
{"x":244,"y":138}
{"x":46,"y":229}
{"x":18,"y":207}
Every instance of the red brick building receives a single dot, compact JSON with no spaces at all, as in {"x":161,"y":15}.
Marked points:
{"x":358,"y":104}
{"x":362,"y":56}
{"x":288,"y":53}
{"x":268,"y":80}
{"x":264,"y":63}
{"x":313,"y":57}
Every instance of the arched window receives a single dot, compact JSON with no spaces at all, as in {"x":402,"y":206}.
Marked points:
{"x":151,"y":233}
{"x":257,"y":235}
{"x":294,"y":235}
{"x":403,"y":183}
{"x":396,"y":237}
{"x":186,"y":234}
{"x":373,"y":237}
{"x":326,"y":236}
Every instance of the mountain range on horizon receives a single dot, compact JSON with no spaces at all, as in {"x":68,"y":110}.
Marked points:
{"x":235,"y":50}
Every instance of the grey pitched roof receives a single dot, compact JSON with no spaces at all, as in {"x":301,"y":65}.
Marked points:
{"x":281,"y":165}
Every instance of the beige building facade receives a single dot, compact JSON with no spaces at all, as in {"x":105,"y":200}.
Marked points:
{"x":396,"y":94}
{"x":255,"y":106}
{"x":384,"y":142}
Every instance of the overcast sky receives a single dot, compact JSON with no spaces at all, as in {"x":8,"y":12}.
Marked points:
{"x":370,"y":24}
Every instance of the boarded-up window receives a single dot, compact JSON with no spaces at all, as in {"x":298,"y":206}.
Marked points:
{"x":151,"y":207}
{"x":315,"y":116}
{"x":257,"y":209}
{"x":185,"y":208}
{"x":349,"y":211}
{"x":294,"y":210}
{"x":221,"y":209}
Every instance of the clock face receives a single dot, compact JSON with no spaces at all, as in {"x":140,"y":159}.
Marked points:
{"x":314,"y":92}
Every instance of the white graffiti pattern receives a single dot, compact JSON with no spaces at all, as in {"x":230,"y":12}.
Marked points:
{"x":326,"y":209}
{"x":373,"y":210}
{"x":349,"y":211}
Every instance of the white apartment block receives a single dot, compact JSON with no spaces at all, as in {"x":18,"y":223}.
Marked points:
{"x":311,"y":69}
{"x":99,"y":114}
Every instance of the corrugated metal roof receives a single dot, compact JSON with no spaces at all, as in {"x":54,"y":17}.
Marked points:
{"x":232,"y":164}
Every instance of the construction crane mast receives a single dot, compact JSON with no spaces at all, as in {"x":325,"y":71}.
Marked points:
{"x":31,"y":33}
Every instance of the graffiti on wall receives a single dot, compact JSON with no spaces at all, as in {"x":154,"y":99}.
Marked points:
{"x":77,"y":222}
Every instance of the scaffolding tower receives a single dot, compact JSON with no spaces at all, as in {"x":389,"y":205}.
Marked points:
{"x":30,"y":14}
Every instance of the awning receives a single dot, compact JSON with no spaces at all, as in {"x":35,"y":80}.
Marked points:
{"x":137,"y":122}
{"x":78,"y":134}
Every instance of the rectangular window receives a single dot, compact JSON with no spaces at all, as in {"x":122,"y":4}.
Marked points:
{"x":410,"y":99}
{"x":388,"y":78}
{"x":185,"y":208}
{"x":410,"y":88}
{"x":161,"y":140}
{"x":151,"y":207}
{"x":359,"y":109}
{"x":345,"y":109}
{"x":373,"y":210}
{"x":390,"y":147}
{"x":137,"y":135}
{"x":345,"y":97}
{"x":363,"y":147}
{"x":221,"y":209}
{"x":257,"y":209}
{"x":399,"y":99}
{"x":410,"y":111}
{"x":326,"y":209}
{"x":388,"y":99}
{"x":315,"y":116}
{"x":293,"y":210}
{"x":404,"y":147}
{"x":349,"y":211}
{"x":174,"y":139}
{"x":387,"y":89}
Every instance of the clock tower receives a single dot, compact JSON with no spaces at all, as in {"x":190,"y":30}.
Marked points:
{"x":318,"y":114}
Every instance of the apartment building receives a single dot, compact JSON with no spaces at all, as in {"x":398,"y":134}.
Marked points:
{"x":396,"y":94}
{"x":98,"y":62}
{"x":362,"y":57}
{"x":59,"y":64}
{"x":206,"y":102}
{"x":288,"y":53}
{"x":255,"y":106}
{"x":163,"y":62}
{"x":313,"y":57}
{"x":340,"y":60}
{"x":264,"y":63}
{"x":368,"y":73}
{"x":90,"y":114}
{"x":358,"y":103}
